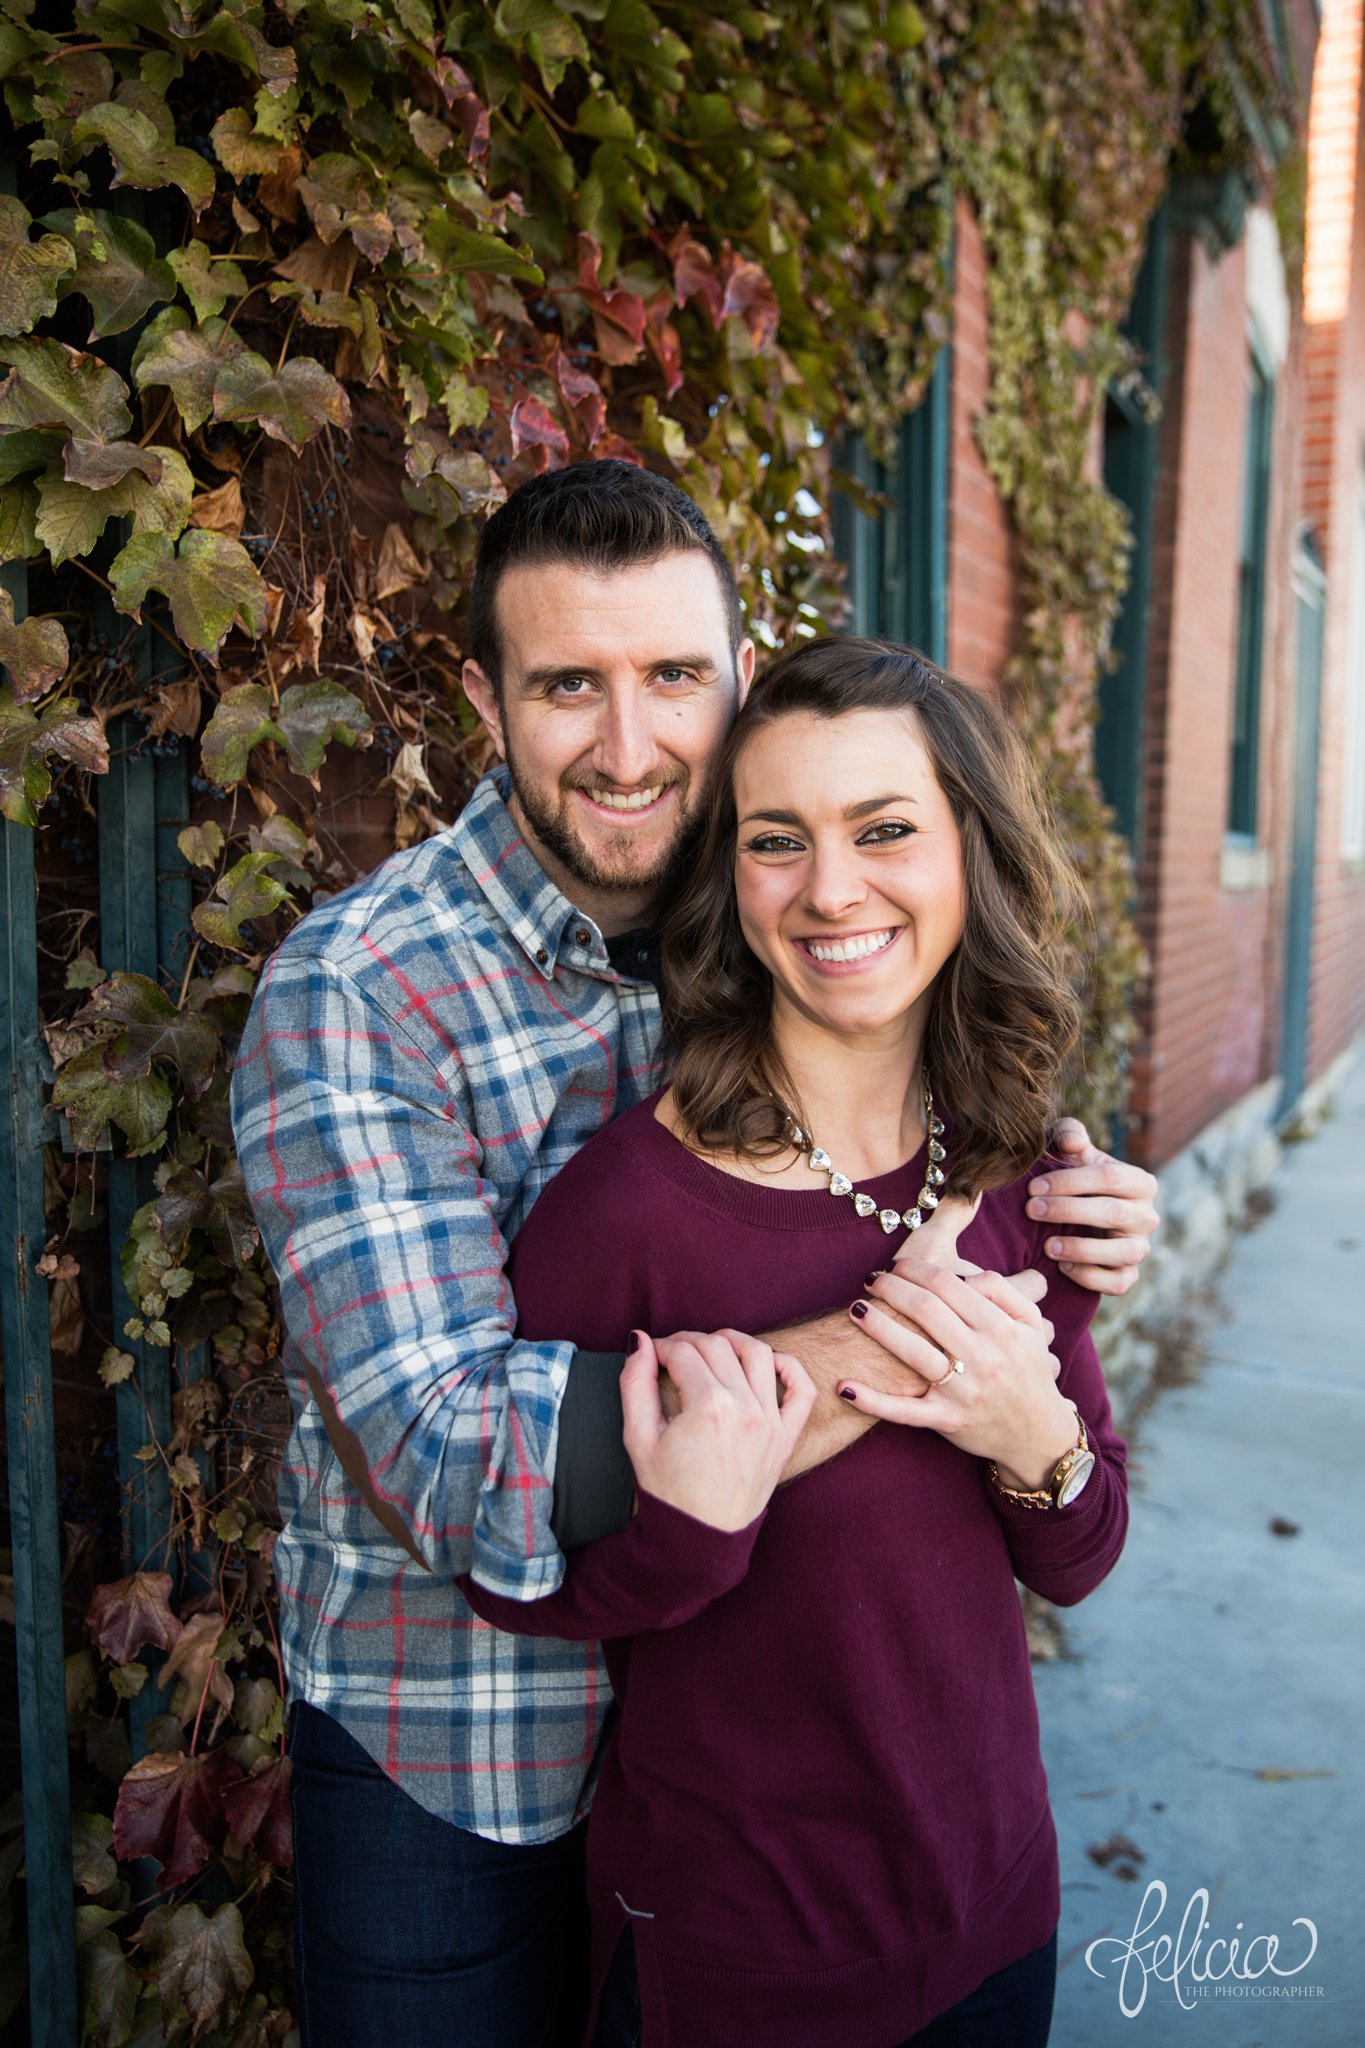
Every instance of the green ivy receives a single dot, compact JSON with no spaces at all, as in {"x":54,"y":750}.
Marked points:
{"x":391,"y":259}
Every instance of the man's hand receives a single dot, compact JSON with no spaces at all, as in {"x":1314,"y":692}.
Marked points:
{"x":720,"y":1456}
{"x":1106,"y":1194}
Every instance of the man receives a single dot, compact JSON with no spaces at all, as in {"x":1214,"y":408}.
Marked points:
{"x":424,"y":1052}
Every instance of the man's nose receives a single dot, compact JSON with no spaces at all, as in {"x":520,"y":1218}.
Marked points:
{"x":626,"y":752}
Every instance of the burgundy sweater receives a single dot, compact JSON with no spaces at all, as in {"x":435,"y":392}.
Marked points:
{"x":824,"y":1809}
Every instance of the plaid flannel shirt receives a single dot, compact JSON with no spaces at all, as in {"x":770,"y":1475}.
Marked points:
{"x":424,"y":1052}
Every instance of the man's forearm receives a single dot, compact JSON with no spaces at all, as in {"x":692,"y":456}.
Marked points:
{"x":833,"y":1348}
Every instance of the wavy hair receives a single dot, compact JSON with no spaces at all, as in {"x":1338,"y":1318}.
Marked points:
{"x":1005,"y":1015}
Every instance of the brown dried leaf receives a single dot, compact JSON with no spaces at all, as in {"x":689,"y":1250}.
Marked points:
{"x":327,"y":267}
{"x":398,"y":567}
{"x":220,"y":511}
{"x":193,"y":1660}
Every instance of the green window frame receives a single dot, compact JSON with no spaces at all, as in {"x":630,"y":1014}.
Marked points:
{"x":1246,"y":699}
{"x":898,"y":561}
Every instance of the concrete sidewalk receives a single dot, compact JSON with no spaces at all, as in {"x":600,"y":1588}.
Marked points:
{"x":1210,"y":1709}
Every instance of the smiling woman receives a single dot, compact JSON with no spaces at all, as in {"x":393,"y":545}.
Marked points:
{"x":880,"y":862}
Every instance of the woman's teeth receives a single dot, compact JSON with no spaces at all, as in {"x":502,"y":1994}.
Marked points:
{"x":848,"y":949}
{"x":638,"y":799}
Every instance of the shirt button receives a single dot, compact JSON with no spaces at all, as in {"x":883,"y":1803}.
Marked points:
{"x":541,"y":955}
{"x":582,"y":935}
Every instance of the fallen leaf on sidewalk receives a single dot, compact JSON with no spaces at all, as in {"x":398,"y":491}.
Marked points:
{"x":1268,"y":1775}
{"x":1280,"y":1527}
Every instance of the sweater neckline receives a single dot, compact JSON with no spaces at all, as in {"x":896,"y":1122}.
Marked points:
{"x":747,"y":1201}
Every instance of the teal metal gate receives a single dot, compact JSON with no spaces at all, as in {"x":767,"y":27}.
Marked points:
{"x":1310,"y":600}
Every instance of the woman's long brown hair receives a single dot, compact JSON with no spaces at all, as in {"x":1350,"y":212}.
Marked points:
{"x":1004,"y":1015}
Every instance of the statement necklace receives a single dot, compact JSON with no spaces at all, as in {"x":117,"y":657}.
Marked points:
{"x":839,"y":1183}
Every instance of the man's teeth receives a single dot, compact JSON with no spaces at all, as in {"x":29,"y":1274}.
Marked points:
{"x":636,"y":801}
{"x":849,"y":949}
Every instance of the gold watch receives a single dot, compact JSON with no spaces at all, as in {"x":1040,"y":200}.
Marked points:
{"x":1069,"y":1475}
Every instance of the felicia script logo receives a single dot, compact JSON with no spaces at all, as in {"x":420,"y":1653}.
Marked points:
{"x":1232,"y":1966}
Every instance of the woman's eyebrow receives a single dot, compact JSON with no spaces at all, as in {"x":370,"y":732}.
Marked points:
{"x":862,"y":810}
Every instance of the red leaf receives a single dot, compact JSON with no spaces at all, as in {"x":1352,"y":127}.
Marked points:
{"x":618,"y":317}
{"x":257,"y":1810}
{"x":583,"y":396}
{"x":457,"y":88}
{"x":749,"y":294}
{"x":171,"y":1807}
{"x":694,"y":275}
{"x":663,"y":338}
{"x":535,"y":426}
{"x":621,"y":450}
{"x":130,"y":1613}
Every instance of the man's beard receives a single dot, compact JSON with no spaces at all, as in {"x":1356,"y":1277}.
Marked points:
{"x":550,"y":821}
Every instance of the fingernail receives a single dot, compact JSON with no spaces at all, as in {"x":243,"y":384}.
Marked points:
{"x":874,"y":1276}
{"x":633,"y":1343}
{"x":859,"y":1310}
{"x":1054,"y":1247}
{"x":847,"y":1394}
{"x":1066,"y":1265}
{"x":1037,"y":1208}
{"x":1037,"y":1187}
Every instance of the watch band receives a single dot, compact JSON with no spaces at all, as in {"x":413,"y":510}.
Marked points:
{"x":1049,"y":1495}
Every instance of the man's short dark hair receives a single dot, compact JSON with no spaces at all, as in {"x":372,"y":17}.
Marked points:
{"x":594,"y":515}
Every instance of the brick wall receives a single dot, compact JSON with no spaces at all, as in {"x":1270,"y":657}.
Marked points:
{"x":982,"y":551}
{"x":1333,"y":484}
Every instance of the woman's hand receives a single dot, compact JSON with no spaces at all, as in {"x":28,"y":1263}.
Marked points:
{"x":742,"y":1407}
{"x":1004,"y":1405}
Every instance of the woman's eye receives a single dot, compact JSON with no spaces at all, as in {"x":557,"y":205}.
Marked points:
{"x":886,"y":832}
{"x":773,"y":842}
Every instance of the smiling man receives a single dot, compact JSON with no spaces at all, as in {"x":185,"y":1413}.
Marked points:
{"x":425,"y":1051}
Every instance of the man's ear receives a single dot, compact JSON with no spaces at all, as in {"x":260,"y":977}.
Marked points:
{"x":484,"y":698}
{"x":746,"y":656}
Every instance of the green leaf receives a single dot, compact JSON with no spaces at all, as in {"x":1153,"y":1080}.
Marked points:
{"x":108,"y":1988}
{"x":93,"y":1868}
{"x":31,"y":273}
{"x":18,"y":522}
{"x":150,"y":1027}
{"x":322,"y":309}
{"x":312,"y":715}
{"x":50,"y":386}
{"x":244,"y":718}
{"x":291,"y":407}
{"x":211,"y":582}
{"x":72,"y":516}
{"x":239,"y":148}
{"x":459,"y":248}
{"x":204,"y":1971}
{"x":551,"y":38}
{"x":92,"y":1098}
{"x":116,"y":1365}
{"x":27,"y":743}
{"x":246,"y":891}
{"x":35,"y":653}
{"x":24,"y":451}
{"x":202,"y":844}
{"x":256,"y":1704}
{"x":142,"y":156}
{"x":338,"y":195}
{"x":207,"y":283}
{"x":187,"y":359}
{"x":117,"y":267}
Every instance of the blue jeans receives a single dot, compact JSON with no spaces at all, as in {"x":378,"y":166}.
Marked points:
{"x":1012,"y":2009}
{"x":409,"y":1929}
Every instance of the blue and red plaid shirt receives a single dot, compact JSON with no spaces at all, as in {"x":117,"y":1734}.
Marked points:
{"x":423,"y":1054}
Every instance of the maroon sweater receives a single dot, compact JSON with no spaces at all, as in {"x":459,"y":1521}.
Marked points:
{"x":824,"y":1808}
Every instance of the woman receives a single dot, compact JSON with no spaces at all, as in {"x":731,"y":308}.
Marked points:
{"x":823,"y":1822}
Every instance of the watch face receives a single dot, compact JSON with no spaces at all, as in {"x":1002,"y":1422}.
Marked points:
{"x":1076,"y":1478}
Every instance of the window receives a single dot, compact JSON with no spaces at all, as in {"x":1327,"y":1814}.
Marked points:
{"x":898,"y":561}
{"x":1246,"y":707}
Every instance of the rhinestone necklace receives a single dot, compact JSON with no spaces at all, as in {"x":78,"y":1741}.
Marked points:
{"x":819,"y":1161}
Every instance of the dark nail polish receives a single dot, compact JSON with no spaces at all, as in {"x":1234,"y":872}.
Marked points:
{"x":847,"y":1394}
{"x":633,"y":1343}
{"x":859,"y":1309}
{"x":874,"y":1276}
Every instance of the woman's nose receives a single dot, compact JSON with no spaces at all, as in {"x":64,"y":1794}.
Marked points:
{"x":834,"y":884}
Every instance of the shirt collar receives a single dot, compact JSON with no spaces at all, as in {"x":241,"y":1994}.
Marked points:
{"x":536,"y":912}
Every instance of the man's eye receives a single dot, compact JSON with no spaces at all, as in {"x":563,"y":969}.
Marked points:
{"x":674,"y":675}
{"x":886,"y":832}
{"x":572,"y":686}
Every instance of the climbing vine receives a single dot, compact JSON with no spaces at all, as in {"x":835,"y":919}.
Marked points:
{"x":292,"y":296}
